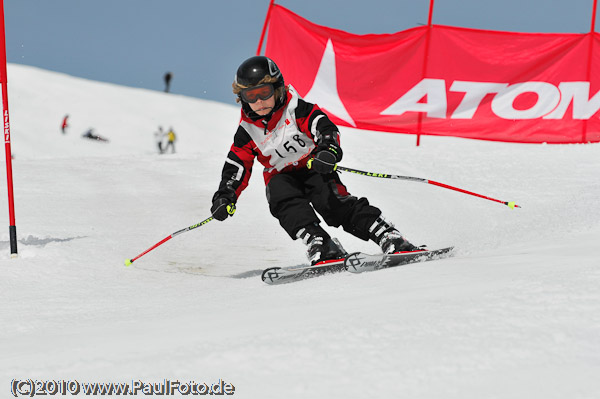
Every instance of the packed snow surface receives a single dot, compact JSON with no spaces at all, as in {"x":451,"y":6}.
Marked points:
{"x":514,"y":314}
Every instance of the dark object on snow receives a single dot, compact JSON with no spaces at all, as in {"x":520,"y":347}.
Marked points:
{"x":90,"y":135}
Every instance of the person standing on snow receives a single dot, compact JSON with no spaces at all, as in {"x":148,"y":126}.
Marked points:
{"x":171,"y":140}
{"x":299,"y":147}
{"x":158,"y":137}
{"x":167,"y":78}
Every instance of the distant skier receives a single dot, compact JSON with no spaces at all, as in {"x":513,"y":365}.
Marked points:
{"x":89,"y":134}
{"x":65,"y":125}
{"x":167,"y":78}
{"x":299,"y":147}
{"x":171,"y":138}
{"x":159,"y":135}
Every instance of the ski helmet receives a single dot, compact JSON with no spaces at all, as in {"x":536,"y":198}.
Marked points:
{"x":259,"y":70}
{"x":254,"y":69}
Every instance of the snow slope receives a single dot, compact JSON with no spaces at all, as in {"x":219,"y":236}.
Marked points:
{"x":515,"y":314}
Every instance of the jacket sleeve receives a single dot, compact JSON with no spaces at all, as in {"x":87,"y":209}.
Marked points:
{"x":238,"y":166}
{"x":316,"y":124}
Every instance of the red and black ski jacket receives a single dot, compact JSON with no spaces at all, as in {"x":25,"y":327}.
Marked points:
{"x":282,"y":141}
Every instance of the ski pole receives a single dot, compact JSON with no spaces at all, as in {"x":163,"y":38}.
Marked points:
{"x":511,"y":204}
{"x":128,"y":262}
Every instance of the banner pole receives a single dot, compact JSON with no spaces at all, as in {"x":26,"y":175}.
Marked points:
{"x":594,"y":7}
{"x":425,"y":60}
{"x":264,"y":29}
{"x":12,"y":229}
{"x":430,"y":17}
{"x":589,"y":65}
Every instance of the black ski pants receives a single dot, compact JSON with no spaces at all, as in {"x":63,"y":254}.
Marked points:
{"x":295,"y":196}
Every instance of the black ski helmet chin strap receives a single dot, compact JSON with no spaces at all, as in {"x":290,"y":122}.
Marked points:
{"x":251,"y":72}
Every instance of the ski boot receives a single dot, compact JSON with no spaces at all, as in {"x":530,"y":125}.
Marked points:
{"x":389,"y":239}
{"x":321,"y":246}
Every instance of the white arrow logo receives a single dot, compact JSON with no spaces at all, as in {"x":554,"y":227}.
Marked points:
{"x":324,"y":89}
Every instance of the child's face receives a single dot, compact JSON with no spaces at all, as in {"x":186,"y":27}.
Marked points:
{"x":263,"y":107}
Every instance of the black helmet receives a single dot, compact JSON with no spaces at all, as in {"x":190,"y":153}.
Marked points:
{"x":251,"y":72}
{"x":254,"y":69}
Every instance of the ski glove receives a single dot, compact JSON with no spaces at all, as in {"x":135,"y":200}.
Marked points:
{"x":325,"y":159}
{"x":222,"y":208}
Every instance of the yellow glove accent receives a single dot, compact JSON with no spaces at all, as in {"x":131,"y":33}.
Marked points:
{"x":231,"y":208}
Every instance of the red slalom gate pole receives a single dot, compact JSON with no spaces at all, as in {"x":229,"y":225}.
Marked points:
{"x":12,"y":229}
{"x":510,"y":204}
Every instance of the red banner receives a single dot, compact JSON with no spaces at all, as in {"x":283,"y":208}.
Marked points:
{"x":445,"y":81}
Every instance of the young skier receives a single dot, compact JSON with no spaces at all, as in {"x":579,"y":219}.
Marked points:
{"x":65,"y":124}
{"x":171,"y":137}
{"x":299,"y":147}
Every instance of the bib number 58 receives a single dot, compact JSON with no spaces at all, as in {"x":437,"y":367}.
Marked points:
{"x":289,"y":147}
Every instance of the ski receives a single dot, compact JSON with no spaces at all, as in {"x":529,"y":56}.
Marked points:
{"x":360,"y":262}
{"x":278,"y":275}
{"x":357,"y":262}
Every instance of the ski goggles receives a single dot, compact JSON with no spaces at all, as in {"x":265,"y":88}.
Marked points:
{"x":252,"y":94}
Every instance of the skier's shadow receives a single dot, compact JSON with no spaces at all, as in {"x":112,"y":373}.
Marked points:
{"x":249,"y":273}
{"x":36,"y":241}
